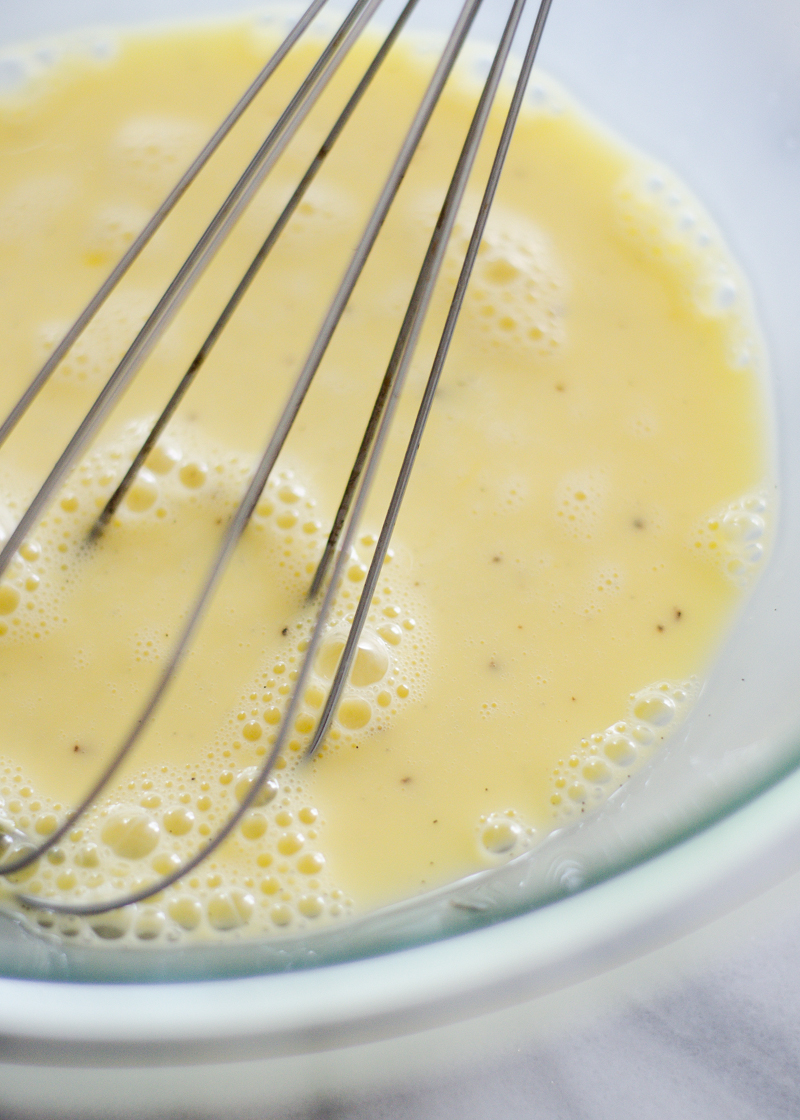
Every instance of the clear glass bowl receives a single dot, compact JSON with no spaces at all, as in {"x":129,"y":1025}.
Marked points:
{"x":707,"y":822}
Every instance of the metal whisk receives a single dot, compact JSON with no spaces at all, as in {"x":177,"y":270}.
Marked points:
{"x":21,"y":852}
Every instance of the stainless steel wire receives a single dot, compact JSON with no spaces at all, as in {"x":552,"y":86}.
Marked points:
{"x":330,"y":569}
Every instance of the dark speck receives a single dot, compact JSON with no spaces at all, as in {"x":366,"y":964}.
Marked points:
{"x":678,"y":614}
{"x":285,"y":631}
{"x":638,"y":523}
{"x":77,"y":747}
{"x":497,"y":559}
{"x":405,"y":781}
{"x":660,"y":628}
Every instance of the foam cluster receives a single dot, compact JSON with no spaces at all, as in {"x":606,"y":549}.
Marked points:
{"x":153,"y":150}
{"x":113,"y":230}
{"x":517,"y":292}
{"x":517,"y":289}
{"x":272,"y":873}
{"x":503,"y":835}
{"x":579,"y":502}
{"x":102,"y":345}
{"x":734,"y":537}
{"x":605,"y":760}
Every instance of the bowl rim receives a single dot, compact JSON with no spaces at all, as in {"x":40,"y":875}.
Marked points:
{"x":412,"y":989}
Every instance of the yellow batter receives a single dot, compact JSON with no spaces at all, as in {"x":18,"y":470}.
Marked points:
{"x":585,"y":513}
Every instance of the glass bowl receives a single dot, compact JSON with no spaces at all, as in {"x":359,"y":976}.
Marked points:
{"x":709,"y":821}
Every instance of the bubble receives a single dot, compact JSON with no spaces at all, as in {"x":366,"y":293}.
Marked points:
{"x":656,"y":710}
{"x":46,"y":824}
{"x":287,"y":519}
{"x":733,"y":537}
{"x":186,"y":912}
{"x":391,"y":633}
{"x":244,"y":784}
{"x":131,"y":835}
{"x":596,"y":772}
{"x":166,"y":863}
{"x":620,"y":749}
{"x":193,"y":475}
{"x":143,"y":493}
{"x":371,"y":662}
{"x":178,"y":822}
{"x":579,"y":503}
{"x":254,"y":826}
{"x":228,"y":910}
{"x":87,"y":856}
{"x":311,"y":863}
{"x":310,"y":905}
{"x":291,"y":843}
{"x":500,"y":835}
{"x":281,"y":914}
{"x":149,"y":924}
{"x":111,"y":926}
{"x":9,"y":599}
{"x":354,"y":713}
{"x":291,"y":492}
{"x":66,"y":880}
{"x":162,"y":459}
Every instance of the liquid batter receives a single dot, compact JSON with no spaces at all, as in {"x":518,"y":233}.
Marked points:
{"x":587,"y":508}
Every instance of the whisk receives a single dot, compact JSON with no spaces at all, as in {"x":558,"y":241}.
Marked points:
{"x":20,"y":851}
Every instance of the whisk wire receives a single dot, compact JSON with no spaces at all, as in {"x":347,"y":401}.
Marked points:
{"x":259,"y":479}
{"x":383,"y":413}
{"x":155,"y":222}
{"x":194,"y":265}
{"x":347,"y":33}
{"x":252,"y":271}
{"x":389,"y":395}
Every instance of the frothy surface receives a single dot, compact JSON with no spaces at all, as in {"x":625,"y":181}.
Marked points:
{"x":272,"y":872}
{"x":562,"y":568}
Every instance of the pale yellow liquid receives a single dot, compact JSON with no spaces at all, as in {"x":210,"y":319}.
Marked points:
{"x":585,"y":512}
